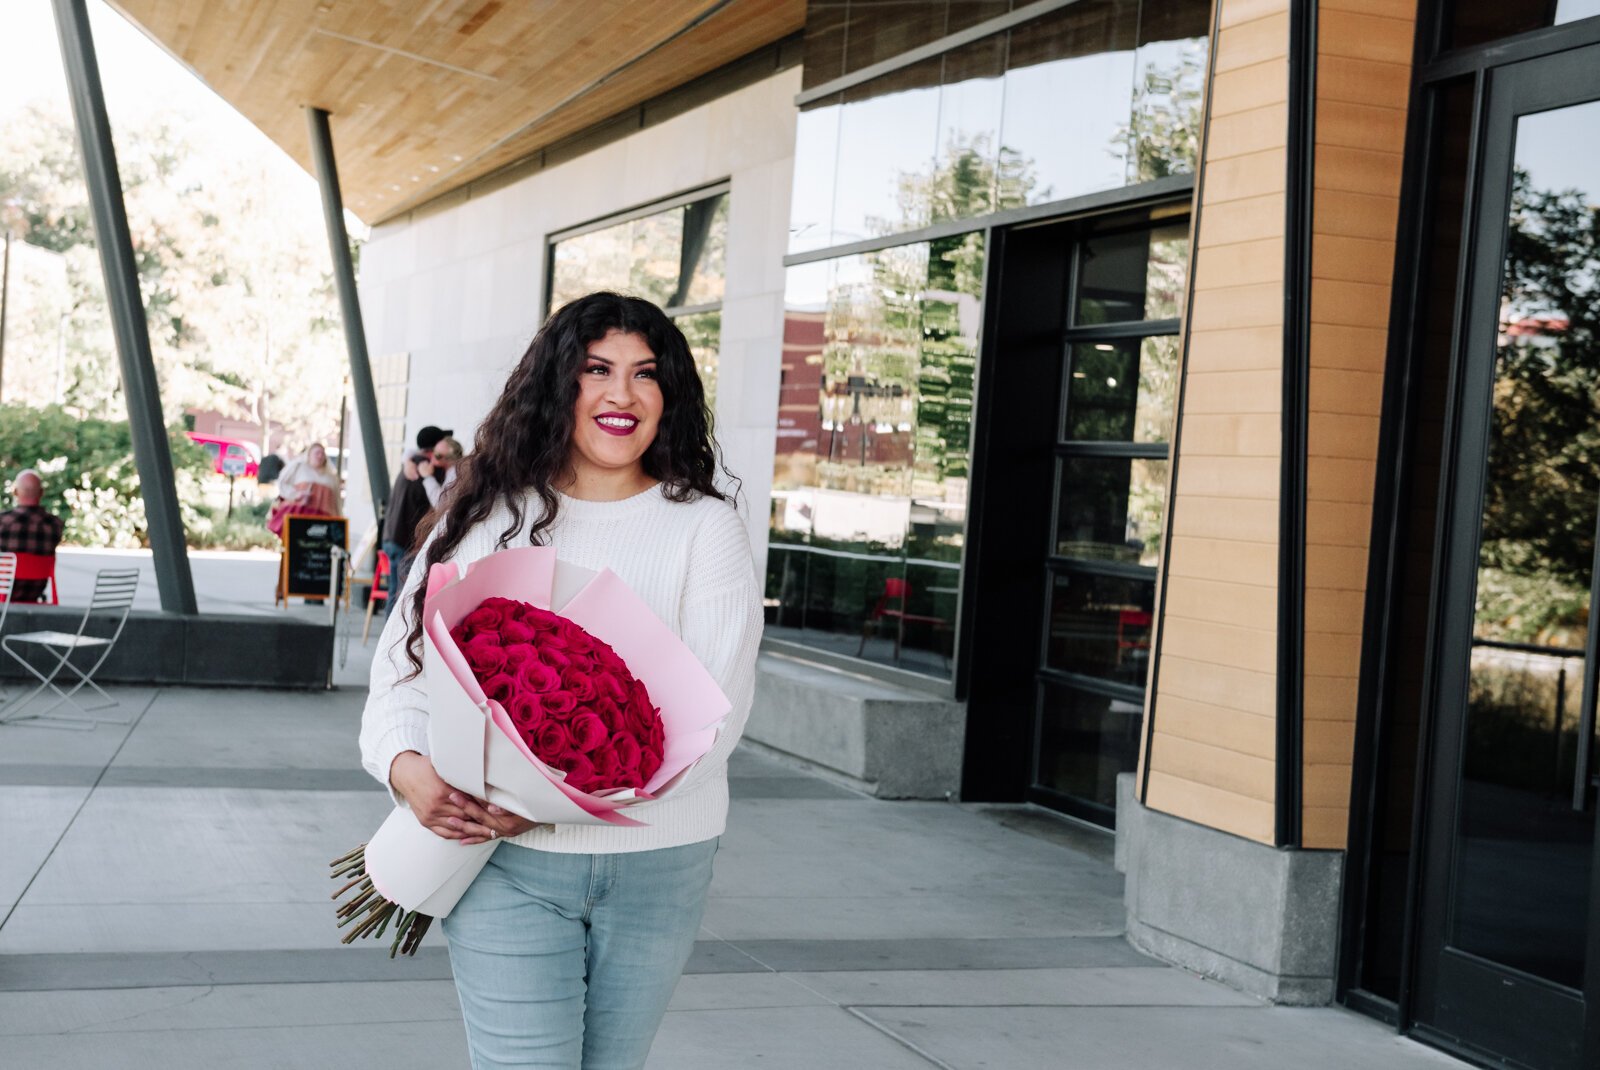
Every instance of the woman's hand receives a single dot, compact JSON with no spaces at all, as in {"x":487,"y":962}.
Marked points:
{"x":483,"y":819}
{"x":444,"y":810}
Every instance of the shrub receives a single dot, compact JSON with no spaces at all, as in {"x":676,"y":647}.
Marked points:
{"x":90,"y":480}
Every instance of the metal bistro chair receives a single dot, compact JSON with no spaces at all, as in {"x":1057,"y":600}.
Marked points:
{"x":113,"y":598}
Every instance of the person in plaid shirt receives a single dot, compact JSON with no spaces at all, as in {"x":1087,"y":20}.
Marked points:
{"x":28,"y":529}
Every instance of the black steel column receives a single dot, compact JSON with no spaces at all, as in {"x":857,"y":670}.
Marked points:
{"x":151,"y":455}
{"x":1300,"y":187}
{"x":355,"y":336}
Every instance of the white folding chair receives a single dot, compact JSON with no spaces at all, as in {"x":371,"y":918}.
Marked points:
{"x":113,"y":598}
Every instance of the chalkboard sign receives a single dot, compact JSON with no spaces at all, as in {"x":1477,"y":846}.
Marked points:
{"x":308,"y":543}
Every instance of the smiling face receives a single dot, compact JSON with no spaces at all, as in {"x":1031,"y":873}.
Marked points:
{"x":619,"y":405}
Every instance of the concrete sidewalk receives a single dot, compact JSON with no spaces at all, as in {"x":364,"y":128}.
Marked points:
{"x":163,"y":904}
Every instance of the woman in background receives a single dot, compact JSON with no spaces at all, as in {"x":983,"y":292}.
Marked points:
{"x":307,"y":486}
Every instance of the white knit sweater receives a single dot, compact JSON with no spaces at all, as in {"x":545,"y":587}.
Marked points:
{"x":691,"y":562}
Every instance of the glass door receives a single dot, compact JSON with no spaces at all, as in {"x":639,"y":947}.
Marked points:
{"x":1120,"y":368}
{"x":1507,"y":954}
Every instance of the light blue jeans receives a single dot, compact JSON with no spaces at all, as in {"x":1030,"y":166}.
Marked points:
{"x":567,"y":961}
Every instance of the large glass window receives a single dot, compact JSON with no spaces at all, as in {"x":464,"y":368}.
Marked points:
{"x":1120,"y":350}
{"x":1093,"y":96}
{"x":674,"y":257}
{"x":870,"y":485}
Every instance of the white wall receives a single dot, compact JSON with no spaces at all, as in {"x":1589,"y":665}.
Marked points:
{"x":459,"y":289}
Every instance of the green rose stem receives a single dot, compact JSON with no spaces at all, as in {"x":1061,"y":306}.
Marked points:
{"x":370,"y":911}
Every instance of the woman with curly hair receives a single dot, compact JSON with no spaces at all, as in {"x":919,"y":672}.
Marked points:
{"x":568,"y":945}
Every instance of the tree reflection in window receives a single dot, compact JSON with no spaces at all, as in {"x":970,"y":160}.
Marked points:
{"x":870,"y":492}
{"x":1543,"y":482}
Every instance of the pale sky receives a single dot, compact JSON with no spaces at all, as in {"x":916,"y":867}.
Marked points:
{"x":139,"y":79}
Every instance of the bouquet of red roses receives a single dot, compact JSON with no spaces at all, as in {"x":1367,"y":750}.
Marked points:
{"x":555,"y":693}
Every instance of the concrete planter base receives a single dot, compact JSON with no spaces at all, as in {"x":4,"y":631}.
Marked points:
{"x":1261,"y":919}
{"x":888,"y":741}
{"x":215,"y":650}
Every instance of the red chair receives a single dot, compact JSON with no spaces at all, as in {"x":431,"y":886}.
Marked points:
{"x":379,"y":592}
{"x":895,"y":590}
{"x":37,"y":567}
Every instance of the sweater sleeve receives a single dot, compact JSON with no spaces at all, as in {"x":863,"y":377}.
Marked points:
{"x":721,"y":623}
{"x":395,"y":718}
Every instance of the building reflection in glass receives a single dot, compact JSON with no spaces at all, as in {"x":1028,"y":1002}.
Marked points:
{"x":870,"y":483}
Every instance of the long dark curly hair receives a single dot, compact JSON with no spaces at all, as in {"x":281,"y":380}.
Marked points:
{"x":525,"y":442}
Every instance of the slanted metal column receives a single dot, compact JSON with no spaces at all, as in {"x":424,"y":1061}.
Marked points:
{"x":355,"y":335}
{"x":151,"y":455}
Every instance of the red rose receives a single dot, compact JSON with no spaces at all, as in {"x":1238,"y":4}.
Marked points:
{"x":636,"y":716}
{"x":656,"y":737}
{"x":541,"y":620}
{"x":484,"y":657}
{"x":537,"y":677}
{"x":550,"y":741}
{"x":514,"y":631}
{"x":579,"y":641}
{"x":580,"y":771}
{"x":556,"y":659}
{"x":581,"y":686}
{"x":500,"y":687}
{"x":516,"y":655}
{"x":609,"y":712}
{"x":649,"y":765}
{"x":607,"y":769}
{"x":552,"y":640}
{"x":486,"y":618}
{"x":526,"y":712}
{"x":628,"y":751}
{"x":612,"y":688}
{"x":558,"y":703}
{"x":638,"y":694}
{"x":588,"y":731}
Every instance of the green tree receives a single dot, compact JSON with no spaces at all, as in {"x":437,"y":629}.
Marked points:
{"x":237,"y":296}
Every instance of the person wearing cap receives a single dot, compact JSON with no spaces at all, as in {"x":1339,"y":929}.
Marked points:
{"x":409,"y":502}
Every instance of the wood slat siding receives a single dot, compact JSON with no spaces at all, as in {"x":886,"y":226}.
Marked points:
{"x":1363,"y":88}
{"x":1213,"y":708}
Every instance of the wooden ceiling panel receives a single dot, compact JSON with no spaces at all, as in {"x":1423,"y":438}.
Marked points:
{"x":427,"y":95}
